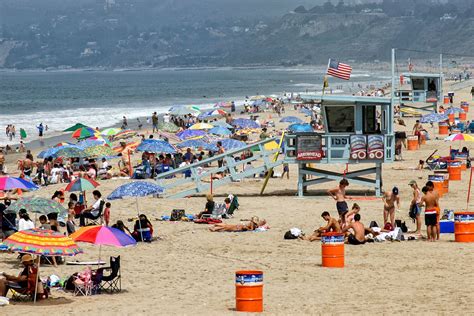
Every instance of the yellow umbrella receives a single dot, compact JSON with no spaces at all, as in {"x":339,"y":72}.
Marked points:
{"x":201,"y":126}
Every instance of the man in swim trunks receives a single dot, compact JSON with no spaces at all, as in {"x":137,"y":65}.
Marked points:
{"x":430,"y":200}
{"x":415,"y":205}
{"x":430,"y":187}
{"x":417,"y":129}
{"x":332,"y":226}
{"x":389,"y":199}
{"x":358,"y":235}
{"x":339,"y":195}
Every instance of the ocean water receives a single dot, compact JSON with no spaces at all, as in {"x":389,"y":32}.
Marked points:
{"x":100,"y":98}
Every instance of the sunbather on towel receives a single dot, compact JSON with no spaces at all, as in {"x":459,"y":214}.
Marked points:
{"x":253,"y":224}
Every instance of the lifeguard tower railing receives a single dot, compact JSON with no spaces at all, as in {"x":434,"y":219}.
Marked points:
{"x":199,"y":181}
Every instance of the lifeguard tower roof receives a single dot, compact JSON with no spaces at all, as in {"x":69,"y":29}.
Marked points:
{"x":346,"y":99}
{"x":421,"y":75}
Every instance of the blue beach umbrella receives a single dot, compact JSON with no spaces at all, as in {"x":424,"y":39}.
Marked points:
{"x":434,"y":118}
{"x":12,"y":183}
{"x":230,"y":144}
{"x":245,"y":123}
{"x":89,"y":143}
{"x":221,"y":124}
{"x":156,"y":146}
{"x":218,"y":130}
{"x":192,"y":143}
{"x":190,"y":133}
{"x":300,"y":128}
{"x":291,"y":119}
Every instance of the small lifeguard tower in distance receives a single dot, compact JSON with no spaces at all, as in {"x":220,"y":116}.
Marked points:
{"x":358,"y":130}
{"x":419,"y":93}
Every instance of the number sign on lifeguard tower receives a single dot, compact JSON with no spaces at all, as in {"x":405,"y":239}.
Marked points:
{"x":357,"y":130}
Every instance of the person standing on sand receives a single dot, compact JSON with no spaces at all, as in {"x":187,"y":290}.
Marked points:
{"x":154,"y":121}
{"x":431,"y":189}
{"x":430,"y":201}
{"x":415,"y":204}
{"x":2,"y":161}
{"x":40,"y":130}
{"x":389,"y":200}
{"x":339,"y":195}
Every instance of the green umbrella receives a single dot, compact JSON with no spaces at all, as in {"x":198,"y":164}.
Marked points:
{"x":70,"y":152}
{"x":99,"y":151}
{"x":37,"y":205}
{"x":23,"y":134}
{"x":168,"y":127}
{"x":75,"y":127}
{"x":110,"y":131}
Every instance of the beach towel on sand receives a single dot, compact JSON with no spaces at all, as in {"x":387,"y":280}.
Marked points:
{"x":207,"y":221}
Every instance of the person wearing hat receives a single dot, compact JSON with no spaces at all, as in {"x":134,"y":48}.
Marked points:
{"x":20,"y":282}
{"x":415,"y":205}
{"x":389,"y":200}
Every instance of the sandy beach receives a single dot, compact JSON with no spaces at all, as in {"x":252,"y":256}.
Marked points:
{"x":190,"y":270}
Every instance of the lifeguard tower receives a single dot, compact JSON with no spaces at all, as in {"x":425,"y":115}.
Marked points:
{"x":357,"y":130}
{"x":419,"y":93}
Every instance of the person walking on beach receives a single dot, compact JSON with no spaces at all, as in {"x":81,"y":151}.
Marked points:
{"x":339,"y":195}
{"x":124,"y":122}
{"x":40,"y":130}
{"x":430,"y":201}
{"x":415,"y":205}
{"x":389,"y":200}
{"x":154,"y":122}
{"x":431,"y":189}
{"x":417,"y":129}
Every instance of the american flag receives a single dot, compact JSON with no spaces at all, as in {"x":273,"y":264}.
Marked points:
{"x":339,"y":70}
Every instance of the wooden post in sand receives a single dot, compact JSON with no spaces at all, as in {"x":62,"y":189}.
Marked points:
{"x":469,"y":192}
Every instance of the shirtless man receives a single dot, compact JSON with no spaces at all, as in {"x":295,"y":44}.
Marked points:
{"x":389,"y":199}
{"x":417,"y":129}
{"x":332,"y":226}
{"x":430,"y":200}
{"x":415,"y":205}
{"x":431,"y":189}
{"x":339,"y":195}
{"x":358,"y":237}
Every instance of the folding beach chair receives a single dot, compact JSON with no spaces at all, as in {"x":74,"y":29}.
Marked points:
{"x":234,"y":205}
{"x":99,"y":219}
{"x":112,"y":282}
{"x":83,"y":283}
{"x":218,"y":212}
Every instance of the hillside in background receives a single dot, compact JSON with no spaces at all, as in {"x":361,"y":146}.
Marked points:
{"x":149,"y":33}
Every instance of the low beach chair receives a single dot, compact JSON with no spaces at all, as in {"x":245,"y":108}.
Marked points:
{"x":83,"y":283}
{"x":218,"y":212}
{"x":111,"y":283}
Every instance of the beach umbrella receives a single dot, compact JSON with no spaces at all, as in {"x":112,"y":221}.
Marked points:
{"x":453,"y":110}
{"x":81,"y":184}
{"x":168,"y":127}
{"x":52,"y":152}
{"x":110,"y":131}
{"x":230,"y":144}
{"x":156,"y":146}
{"x":75,"y":127}
{"x":86,"y":143}
{"x":258,"y":97}
{"x":245,"y":123}
{"x":136,"y":189}
{"x":128,"y":146}
{"x":125,"y":134}
{"x":192,"y":143}
{"x":42,"y":242}
{"x":434,"y":118}
{"x":200,"y":126}
{"x":306,"y":112}
{"x":300,"y":128}
{"x":103,"y":236}
{"x":217,"y":112}
{"x":189,"y":133}
{"x":37,"y":205}
{"x":62,"y":144}
{"x":83,"y":132}
{"x":460,"y":137}
{"x":99,"y":151}
{"x":218,"y":130}
{"x":69,"y":152}
{"x":12,"y":183}
{"x":222,"y":124}
{"x":291,"y":119}
{"x":168,"y":136}
{"x":180,"y":110}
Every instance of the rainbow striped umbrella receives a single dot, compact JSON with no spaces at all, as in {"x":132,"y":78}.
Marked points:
{"x":81,"y":184}
{"x":125,"y":134}
{"x":103,"y":235}
{"x":99,"y":151}
{"x":42,"y":242}
{"x":12,"y":183}
{"x":83,"y":132}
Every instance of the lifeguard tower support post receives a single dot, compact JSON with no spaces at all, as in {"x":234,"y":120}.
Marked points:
{"x":357,"y":130}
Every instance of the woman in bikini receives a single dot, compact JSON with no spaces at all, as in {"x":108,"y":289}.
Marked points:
{"x":389,"y":200}
{"x":251,"y":226}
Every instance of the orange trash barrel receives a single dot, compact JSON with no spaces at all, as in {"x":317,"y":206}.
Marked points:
{"x":465,"y":107}
{"x":464,"y":226}
{"x":412,"y":142}
{"x":451,"y":118}
{"x":249,"y":291}
{"x":446,"y":99}
{"x":438,"y":182}
{"x":332,"y":250}
{"x":462,"y":116}
{"x":454,"y":170}
{"x":443,"y":128}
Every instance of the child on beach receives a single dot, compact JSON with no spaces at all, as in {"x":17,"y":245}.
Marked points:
{"x":70,"y":226}
{"x":339,"y":195}
{"x":107,"y":213}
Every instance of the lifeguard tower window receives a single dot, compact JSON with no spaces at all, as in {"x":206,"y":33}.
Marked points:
{"x":418,"y":83}
{"x":340,"y":119}
{"x":370,"y":119}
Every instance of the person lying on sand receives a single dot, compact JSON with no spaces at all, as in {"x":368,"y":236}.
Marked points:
{"x":332,"y":226}
{"x":253,"y":224}
{"x":358,"y":235}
